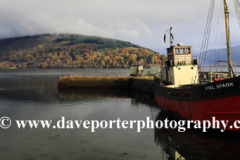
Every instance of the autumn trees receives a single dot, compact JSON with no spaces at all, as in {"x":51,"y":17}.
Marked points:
{"x":77,"y":52}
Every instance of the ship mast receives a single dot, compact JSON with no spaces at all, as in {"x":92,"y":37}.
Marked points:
{"x":170,"y":36}
{"x":229,"y":53}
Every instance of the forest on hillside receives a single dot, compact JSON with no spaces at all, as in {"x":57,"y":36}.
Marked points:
{"x":74,"y":51}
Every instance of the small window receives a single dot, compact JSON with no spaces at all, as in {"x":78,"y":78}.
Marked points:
{"x":168,"y":93}
{"x":172,"y":94}
{"x":177,"y":51}
{"x":177,"y":95}
{"x":187,"y":95}
{"x":181,"y":51}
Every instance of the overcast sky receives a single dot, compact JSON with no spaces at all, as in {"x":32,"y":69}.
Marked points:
{"x":141,"y":22}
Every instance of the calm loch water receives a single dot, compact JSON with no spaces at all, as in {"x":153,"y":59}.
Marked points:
{"x":32,"y":95}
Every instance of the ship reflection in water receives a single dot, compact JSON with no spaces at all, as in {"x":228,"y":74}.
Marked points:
{"x":194,"y":145}
{"x":174,"y":145}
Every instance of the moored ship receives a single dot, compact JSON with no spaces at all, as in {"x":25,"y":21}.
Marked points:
{"x":194,"y":95}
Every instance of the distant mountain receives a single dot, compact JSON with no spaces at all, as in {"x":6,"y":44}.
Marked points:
{"x":73,"y":51}
{"x":235,"y":55}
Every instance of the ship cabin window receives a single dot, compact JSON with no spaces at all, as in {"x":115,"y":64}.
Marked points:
{"x":177,"y":51}
{"x":187,"y":95}
{"x":188,"y":50}
{"x":181,"y":51}
{"x":177,"y":95}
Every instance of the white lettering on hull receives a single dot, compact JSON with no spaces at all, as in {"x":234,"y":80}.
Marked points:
{"x":219,"y":86}
{"x":225,"y":85}
{"x":209,"y":88}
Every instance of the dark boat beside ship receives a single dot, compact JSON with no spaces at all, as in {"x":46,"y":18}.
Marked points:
{"x":186,"y":92}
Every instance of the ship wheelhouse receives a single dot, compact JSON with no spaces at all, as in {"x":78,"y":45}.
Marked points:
{"x":180,"y":68}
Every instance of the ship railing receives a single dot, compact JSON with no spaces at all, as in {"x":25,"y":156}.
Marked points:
{"x":182,"y":60}
{"x":210,"y":76}
{"x":220,"y":69}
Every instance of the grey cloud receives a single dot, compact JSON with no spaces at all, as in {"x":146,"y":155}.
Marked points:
{"x":140,"y":21}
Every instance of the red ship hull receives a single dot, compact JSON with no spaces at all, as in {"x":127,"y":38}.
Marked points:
{"x":202,"y":104}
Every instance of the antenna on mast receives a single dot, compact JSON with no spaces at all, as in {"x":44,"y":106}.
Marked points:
{"x":170,"y":35}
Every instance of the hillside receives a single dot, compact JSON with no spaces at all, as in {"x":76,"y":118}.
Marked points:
{"x":73,"y":51}
{"x":235,"y":55}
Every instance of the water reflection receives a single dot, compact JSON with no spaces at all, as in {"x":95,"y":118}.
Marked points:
{"x":26,"y":95}
{"x":193,"y":145}
{"x":94,"y":93}
{"x":136,"y":98}
{"x":30,"y":94}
